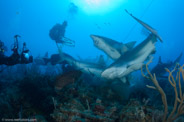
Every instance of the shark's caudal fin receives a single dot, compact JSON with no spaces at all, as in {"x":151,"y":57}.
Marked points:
{"x":152,"y":30}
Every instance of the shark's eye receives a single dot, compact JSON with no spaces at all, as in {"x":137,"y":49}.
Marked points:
{"x":112,"y":50}
{"x":127,"y":66}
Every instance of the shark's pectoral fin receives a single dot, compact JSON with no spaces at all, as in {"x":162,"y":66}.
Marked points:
{"x":129,"y":70}
{"x":90,"y":73}
{"x":178,"y":58}
{"x":124,"y":80}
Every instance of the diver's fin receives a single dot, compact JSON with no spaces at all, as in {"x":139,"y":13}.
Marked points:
{"x":68,"y":42}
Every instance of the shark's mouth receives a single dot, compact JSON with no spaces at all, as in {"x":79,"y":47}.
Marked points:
{"x":113,"y":73}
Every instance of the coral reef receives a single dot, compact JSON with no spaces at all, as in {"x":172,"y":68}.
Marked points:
{"x":31,"y":93}
{"x":67,"y":78}
{"x":134,"y":111}
{"x":179,"y":97}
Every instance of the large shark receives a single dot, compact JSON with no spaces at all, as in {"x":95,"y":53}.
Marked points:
{"x":132,"y":60}
{"x":111,"y":47}
{"x":152,"y":30}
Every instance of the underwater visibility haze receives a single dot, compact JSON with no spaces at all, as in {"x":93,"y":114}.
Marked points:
{"x":92,"y":60}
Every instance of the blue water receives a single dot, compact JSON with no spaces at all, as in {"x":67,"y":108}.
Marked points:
{"x":33,"y":19}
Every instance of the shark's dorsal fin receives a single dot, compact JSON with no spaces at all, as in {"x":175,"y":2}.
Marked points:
{"x":130,"y":45}
{"x":178,"y":59}
{"x":159,"y":60}
{"x":124,"y":49}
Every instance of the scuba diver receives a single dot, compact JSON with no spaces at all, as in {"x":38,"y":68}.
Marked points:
{"x":57,"y":33}
{"x":2,"y":49}
{"x":16,"y":58}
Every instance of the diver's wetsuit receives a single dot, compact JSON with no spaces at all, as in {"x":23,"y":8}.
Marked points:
{"x":13,"y":59}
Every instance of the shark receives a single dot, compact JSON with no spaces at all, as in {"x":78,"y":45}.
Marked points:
{"x":93,"y":69}
{"x":131,"y":60}
{"x":148,"y":27}
{"x":86,"y":67}
{"x":112,"y":48}
{"x":159,"y":69}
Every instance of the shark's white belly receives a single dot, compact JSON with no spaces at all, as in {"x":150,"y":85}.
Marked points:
{"x":144,"y":53}
{"x":138,"y":62}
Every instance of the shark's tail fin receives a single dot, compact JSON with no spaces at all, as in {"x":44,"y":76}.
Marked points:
{"x":148,"y":27}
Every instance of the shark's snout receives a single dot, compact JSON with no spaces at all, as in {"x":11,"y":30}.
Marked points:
{"x":95,"y":39}
{"x":92,"y":36}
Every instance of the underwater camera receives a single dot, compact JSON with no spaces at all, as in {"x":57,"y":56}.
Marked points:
{"x":26,"y":57}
